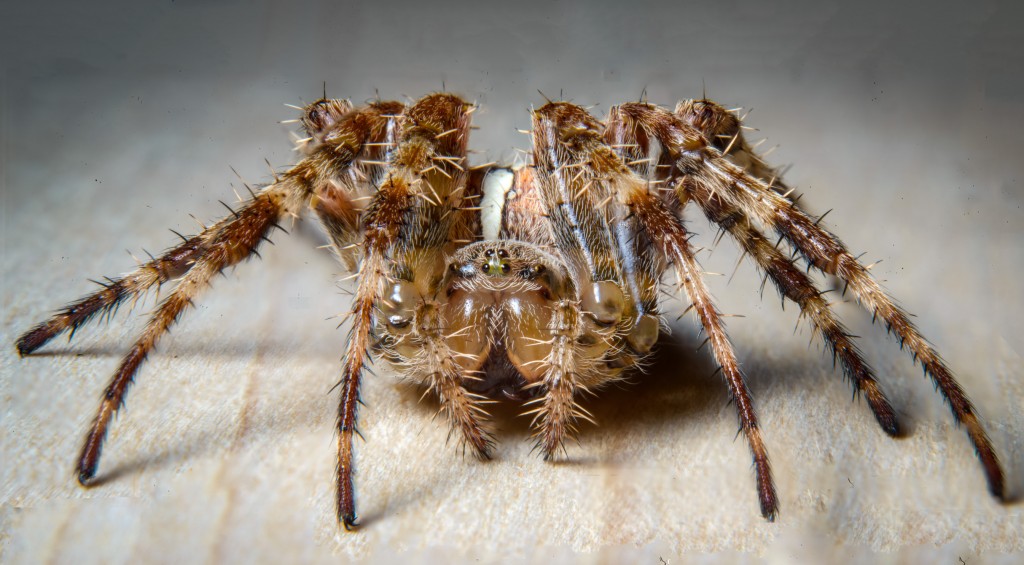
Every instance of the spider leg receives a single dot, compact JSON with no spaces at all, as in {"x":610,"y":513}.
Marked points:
{"x":570,"y":187}
{"x":826,"y":252}
{"x":390,"y":204}
{"x":226,"y":243}
{"x":557,"y":413}
{"x":449,"y":218}
{"x":724,"y":131}
{"x":695,"y":158}
{"x":617,"y":281}
{"x":233,"y":239}
{"x":565,"y":129}
{"x":436,"y":351}
{"x":794,"y":284}
{"x":323,"y":120}
{"x":407,"y":229}
{"x":623,"y":124}
{"x":173,"y":263}
{"x":346,"y":166}
{"x":670,"y":235}
{"x":444,"y":375}
{"x":572,"y":190}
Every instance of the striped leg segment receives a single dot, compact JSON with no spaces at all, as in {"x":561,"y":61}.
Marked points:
{"x":696,"y":159}
{"x":411,"y":222}
{"x":173,"y":263}
{"x":236,"y":239}
{"x":664,"y":228}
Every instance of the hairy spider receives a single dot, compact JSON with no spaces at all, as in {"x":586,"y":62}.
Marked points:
{"x":564,"y":301}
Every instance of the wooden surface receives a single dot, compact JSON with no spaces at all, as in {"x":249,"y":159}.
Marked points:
{"x":225,"y":451}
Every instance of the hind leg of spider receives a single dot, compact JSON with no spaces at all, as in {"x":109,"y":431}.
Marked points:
{"x":663,"y":227}
{"x":692,"y":156}
{"x":794,"y":284}
{"x":826,"y":252}
{"x":622,"y":126}
{"x":173,"y":263}
{"x":236,"y":238}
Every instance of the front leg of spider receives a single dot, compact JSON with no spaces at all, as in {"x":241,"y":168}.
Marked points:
{"x":415,"y":219}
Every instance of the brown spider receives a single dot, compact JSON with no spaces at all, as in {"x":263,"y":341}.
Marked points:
{"x":564,"y":301}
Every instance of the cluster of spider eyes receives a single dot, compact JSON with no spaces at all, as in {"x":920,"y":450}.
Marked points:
{"x":492,"y":265}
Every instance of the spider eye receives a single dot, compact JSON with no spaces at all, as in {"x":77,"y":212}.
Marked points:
{"x":505,"y":268}
{"x":486,"y":268}
{"x":489,"y":253}
{"x":503,"y":254}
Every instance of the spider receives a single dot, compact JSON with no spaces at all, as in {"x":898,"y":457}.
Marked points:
{"x":563,"y":302}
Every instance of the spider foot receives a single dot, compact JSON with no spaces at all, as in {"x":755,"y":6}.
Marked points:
{"x":348,"y":521}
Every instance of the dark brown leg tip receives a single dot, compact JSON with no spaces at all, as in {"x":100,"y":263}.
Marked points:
{"x":32,"y":341}
{"x":24,"y":348}
{"x":85,"y":477}
{"x":348,"y":521}
{"x":999,"y":492}
{"x":890,"y":427}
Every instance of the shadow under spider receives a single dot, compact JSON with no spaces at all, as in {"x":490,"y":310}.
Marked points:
{"x":679,"y":383}
{"x":268,"y":420}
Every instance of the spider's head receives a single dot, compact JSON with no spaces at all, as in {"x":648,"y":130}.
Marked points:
{"x":498,"y":302}
{"x":496,"y":263}
{"x":506,"y":266}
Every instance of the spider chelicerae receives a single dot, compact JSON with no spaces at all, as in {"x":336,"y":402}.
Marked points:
{"x":564,"y":301}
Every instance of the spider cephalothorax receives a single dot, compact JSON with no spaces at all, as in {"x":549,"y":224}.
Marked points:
{"x":565,"y":300}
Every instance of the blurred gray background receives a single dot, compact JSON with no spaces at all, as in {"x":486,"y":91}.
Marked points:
{"x":120,"y":119}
